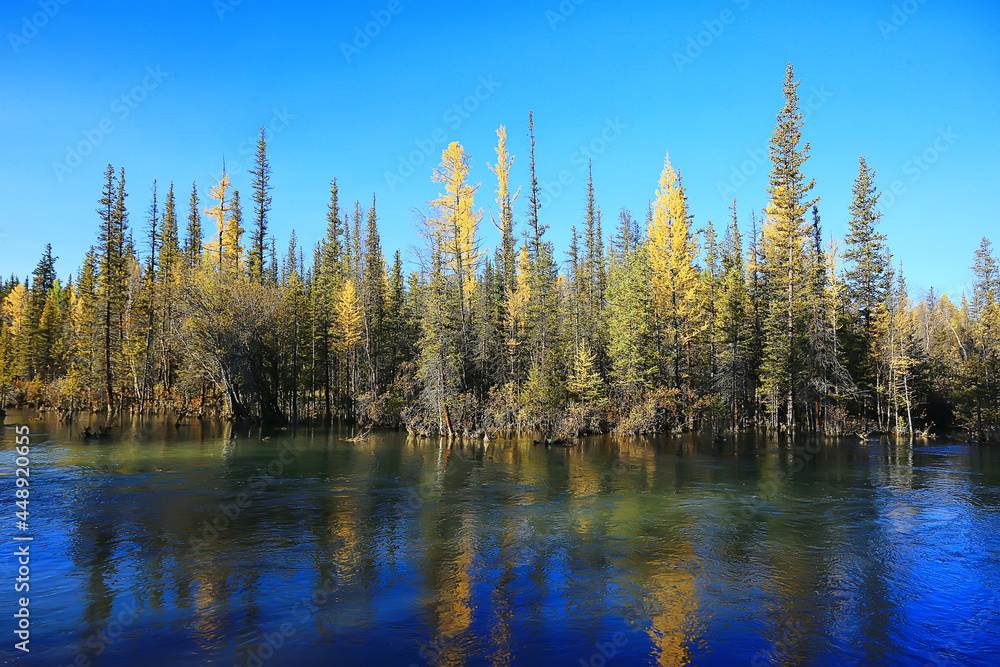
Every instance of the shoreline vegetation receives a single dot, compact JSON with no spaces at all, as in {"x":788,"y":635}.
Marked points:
{"x":657,"y":327}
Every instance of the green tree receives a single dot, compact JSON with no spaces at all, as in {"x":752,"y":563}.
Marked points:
{"x":261,"y":173}
{"x":783,"y":255}
{"x":194,"y":242}
{"x":373,"y":288}
{"x":867,"y":283}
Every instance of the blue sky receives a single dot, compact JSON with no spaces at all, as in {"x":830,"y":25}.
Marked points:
{"x":167,"y":91}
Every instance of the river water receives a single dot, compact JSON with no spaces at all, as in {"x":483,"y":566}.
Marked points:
{"x":195,"y":545}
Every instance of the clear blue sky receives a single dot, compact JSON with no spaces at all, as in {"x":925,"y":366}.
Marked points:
{"x":890,"y":95}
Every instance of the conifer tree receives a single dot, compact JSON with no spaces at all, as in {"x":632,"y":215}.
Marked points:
{"x":983,"y":373}
{"x":219,"y":213}
{"x":733,"y":313}
{"x":783,"y":255}
{"x":113,"y":261}
{"x":169,"y":279}
{"x":16,"y":308}
{"x":261,"y":173}
{"x":867,"y":283}
{"x":233,"y":243}
{"x":456,"y":230}
{"x":170,"y":253}
{"x":505,"y":255}
{"x":585,"y":382}
{"x":395,"y":317}
{"x":329,"y":274}
{"x":672,"y":251}
{"x":630,"y":312}
{"x":593,"y":273}
{"x":39,"y":359}
{"x":373,"y":288}
{"x":194,"y":243}
{"x":542,"y":305}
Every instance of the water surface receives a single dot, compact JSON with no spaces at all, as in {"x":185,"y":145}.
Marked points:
{"x":195,"y":545}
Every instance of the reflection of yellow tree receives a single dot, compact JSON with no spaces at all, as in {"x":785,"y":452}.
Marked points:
{"x":454,"y":599}
{"x":670,"y":587}
{"x":673,"y":621}
{"x":452,"y":608}
{"x":210,"y":601}
{"x":345,"y":528}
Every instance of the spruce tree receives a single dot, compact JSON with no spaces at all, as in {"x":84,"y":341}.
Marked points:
{"x":867,"y":282}
{"x":783,"y":254}
{"x":233,"y":244}
{"x":505,"y":254}
{"x":261,"y":173}
{"x":373,"y":289}
{"x":194,"y":242}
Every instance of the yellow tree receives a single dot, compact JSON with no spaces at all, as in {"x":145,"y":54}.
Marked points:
{"x":672,"y":252}
{"x":457,"y":222}
{"x":218,"y":213}
{"x":15,"y":343}
{"x":584,"y":381}
{"x":349,"y":318}
{"x":349,"y":322}
{"x":516,"y":309}
{"x":506,"y":253}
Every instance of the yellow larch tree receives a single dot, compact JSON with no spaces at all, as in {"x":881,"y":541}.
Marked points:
{"x":457,"y":221}
{"x":13,"y":356}
{"x":349,"y":318}
{"x":506,"y":254}
{"x":516,"y":308}
{"x":672,"y":253}
{"x":219,"y":213}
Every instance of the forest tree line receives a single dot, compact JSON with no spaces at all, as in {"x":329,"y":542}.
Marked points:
{"x":654,"y":327}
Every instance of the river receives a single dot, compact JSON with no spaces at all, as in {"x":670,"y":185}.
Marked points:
{"x":193,"y":545}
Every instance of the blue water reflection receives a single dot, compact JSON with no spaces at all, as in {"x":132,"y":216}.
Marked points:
{"x":196,"y":545}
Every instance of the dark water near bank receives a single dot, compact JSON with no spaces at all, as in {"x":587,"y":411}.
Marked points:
{"x":188,"y":547}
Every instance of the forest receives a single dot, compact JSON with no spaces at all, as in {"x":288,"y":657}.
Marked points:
{"x":645,"y":323}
